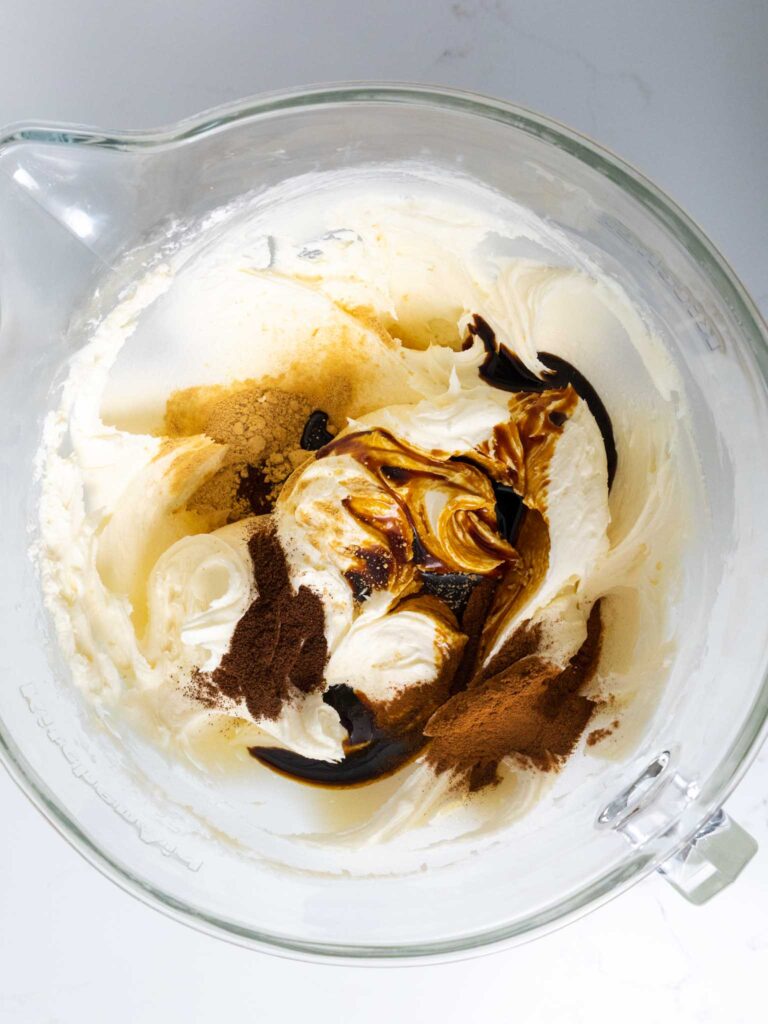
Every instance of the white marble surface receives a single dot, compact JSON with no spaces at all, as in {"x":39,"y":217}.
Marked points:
{"x":681,"y":90}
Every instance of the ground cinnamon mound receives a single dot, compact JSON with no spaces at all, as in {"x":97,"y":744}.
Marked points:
{"x":278,"y":650}
{"x":530,"y":709}
{"x":524,"y":642}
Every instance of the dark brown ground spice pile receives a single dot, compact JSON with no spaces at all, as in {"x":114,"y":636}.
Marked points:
{"x":278,"y":649}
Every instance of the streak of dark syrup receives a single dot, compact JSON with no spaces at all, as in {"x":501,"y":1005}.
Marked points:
{"x":370,"y":753}
{"x":502,"y":369}
{"x":315,"y":433}
{"x":510,"y":509}
{"x":564,"y":373}
{"x":256,"y":490}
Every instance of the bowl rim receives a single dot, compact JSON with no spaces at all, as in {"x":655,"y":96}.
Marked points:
{"x":744,"y":747}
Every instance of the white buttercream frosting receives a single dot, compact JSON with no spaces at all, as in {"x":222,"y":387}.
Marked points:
{"x":382,"y":654}
{"x":198,"y":589}
{"x":144,"y":594}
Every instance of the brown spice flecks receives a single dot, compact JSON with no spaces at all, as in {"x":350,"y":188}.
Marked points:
{"x":278,"y":649}
{"x":530,"y":709}
{"x":598,"y":735}
{"x":262,"y":428}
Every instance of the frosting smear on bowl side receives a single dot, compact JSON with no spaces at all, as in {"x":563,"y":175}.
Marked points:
{"x":352,"y":489}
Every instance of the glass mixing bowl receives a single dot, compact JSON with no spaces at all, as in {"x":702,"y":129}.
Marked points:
{"x":80,"y":212}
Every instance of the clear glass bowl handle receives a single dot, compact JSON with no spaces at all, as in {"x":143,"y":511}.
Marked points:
{"x":708,"y":861}
{"x":711,"y":859}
